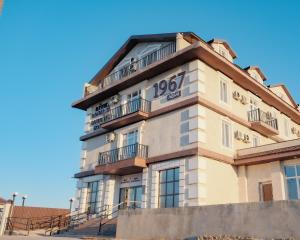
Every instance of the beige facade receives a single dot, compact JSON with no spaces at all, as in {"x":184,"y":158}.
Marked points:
{"x":168,"y":125}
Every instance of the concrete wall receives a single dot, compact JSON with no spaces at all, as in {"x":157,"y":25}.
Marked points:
{"x":262,"y":220}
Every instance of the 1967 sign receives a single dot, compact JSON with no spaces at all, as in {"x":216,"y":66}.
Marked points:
{"x":170,"y":88}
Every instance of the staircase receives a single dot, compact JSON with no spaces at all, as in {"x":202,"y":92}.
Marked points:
{"x":90,"y":228}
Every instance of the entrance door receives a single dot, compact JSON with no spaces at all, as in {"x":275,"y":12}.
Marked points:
{"x":131,"y":197}
{"x":266,"y":192}
{"x":92,"y":195}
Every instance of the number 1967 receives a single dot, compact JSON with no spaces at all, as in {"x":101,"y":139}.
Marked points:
{"x":161,"y":87}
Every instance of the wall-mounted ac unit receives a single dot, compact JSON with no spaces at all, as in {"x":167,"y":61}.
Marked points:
{"x":238,"y":135}
{"x":246,"y":138}
{"x":269,"y":115}
{"x":133,"y":65}
{"x":244,"y":100}
{"x":115,"y":99}
{"x":110,"y":137}
{"x":294,"y":130}
{"x":236,"y":95}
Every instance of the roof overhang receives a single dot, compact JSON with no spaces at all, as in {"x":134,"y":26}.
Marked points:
{"x":199,"y":50}
{"x":257,"y":69}
{"x":131,"y":42}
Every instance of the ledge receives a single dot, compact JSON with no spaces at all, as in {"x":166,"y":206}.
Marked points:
{"x":122,"y":167}
{"x":264,"y":128}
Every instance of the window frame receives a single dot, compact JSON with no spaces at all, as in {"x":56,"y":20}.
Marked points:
{"x":230,"y":135}
{"x":226,"y":82}
{"x":296,"y":177}
{"x":165,"y":182}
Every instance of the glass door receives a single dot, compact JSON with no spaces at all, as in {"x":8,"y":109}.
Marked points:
{"x":130,"y":140}
{"x":92,"y":195}
{"x":131,"y":197}
{"x":133,"y":101}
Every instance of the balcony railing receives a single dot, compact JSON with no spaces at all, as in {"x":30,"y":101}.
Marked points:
{"x":123,"y":153}
{"x":132,"y":106}
{"x":139,"y":64}
{"x":258,"y":115}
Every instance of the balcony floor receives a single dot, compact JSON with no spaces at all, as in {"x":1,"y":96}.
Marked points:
{"x":122,"y":167}
{"x":125,"y":120}
{"x":264,"y":128}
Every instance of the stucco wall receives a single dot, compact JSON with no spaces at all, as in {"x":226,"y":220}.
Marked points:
{"x":262,"y":220}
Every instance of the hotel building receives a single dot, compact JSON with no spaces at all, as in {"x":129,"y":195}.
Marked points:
{"x":172,"y":121}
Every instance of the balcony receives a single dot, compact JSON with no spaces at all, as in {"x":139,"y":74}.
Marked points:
{"x":121,"y":161}
{"x":139,"y":64}
{"x":131,"y":112}
{"x":263,"y":122}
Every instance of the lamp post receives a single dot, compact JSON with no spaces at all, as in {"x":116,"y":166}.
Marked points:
{"x":24,"y":197}
{"x":71,"y":200}
{"x":14,"y":195}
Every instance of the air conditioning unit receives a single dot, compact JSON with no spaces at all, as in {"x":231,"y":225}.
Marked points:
{"x":238,"y":135}
{"x":115,"y":99}
{"x":110,"y":137}
{"x":246,"y":138}
{"x":244,"y":100}
{"x":294,"y":130}
{"x":133,"y":65}
{"x":236,"y":95}
{"x":269,"y":115}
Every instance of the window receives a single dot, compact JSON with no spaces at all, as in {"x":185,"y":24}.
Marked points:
{"x":226,"y":134}
{"x":286,"y":127}
{"x":292,"y":174}
{"x":169,"y":188}
{"x":130,"y":138}
{"x":224,"y":96}
{"x":92,"y":195}
{"x":255,"y":141}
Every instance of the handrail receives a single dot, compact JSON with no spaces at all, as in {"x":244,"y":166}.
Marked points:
{"x":127,"y":70}
{"x":138,"y":104}
{"x":101,"y":224}
{"x":123,"y":153}
{"x":257,"y":115}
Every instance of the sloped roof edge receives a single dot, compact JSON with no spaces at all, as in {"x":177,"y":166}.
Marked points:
{"x":226,"y":45}
{"x":287,"y":92}
{"x":131,"y":42}
{"x":262,"y":75}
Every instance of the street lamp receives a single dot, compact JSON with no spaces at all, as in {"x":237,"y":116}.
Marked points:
{"x":71,"y":200}
{"x":24,"y":197}
{"x":14,"y":195}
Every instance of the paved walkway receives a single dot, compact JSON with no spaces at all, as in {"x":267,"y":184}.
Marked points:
{"x":35,"y":238}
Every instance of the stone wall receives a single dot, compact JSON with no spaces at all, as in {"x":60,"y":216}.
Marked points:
{"x":279,"y":219}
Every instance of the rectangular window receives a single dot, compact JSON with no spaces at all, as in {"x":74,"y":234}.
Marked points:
{"x":92,"y":196}
{"x":130,"y":138}
{"x":255,"y":141}
{"x":224,"y":96}
{"x":292,"y":174}
{"x":169,"y":188}
{"x":286,"y":128}
{"x":226,"y":134}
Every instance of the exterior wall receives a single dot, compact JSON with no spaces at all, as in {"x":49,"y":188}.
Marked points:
{"x":4,"y":213}
{"x":202,"y":180}
{"x":273,"y":220}
{"x":262,"y":173}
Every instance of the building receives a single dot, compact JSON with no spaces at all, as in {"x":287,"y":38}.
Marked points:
{"x":172,"y":121}
{"x":5,"y":207}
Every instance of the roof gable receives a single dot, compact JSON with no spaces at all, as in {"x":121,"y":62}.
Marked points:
{"x":225,"y":44}
{"x":131,"y":43}
{"x":281,"y":91}
{"x":257,"y":70}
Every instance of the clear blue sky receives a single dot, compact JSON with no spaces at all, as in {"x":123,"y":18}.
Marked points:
{"x":49,"y":48}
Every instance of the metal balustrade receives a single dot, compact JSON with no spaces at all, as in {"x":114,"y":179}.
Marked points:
{"x":123,"y":153}
{"x":257,"y":115}
{"x":139,"y":64}
{"x":132,"y":106}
